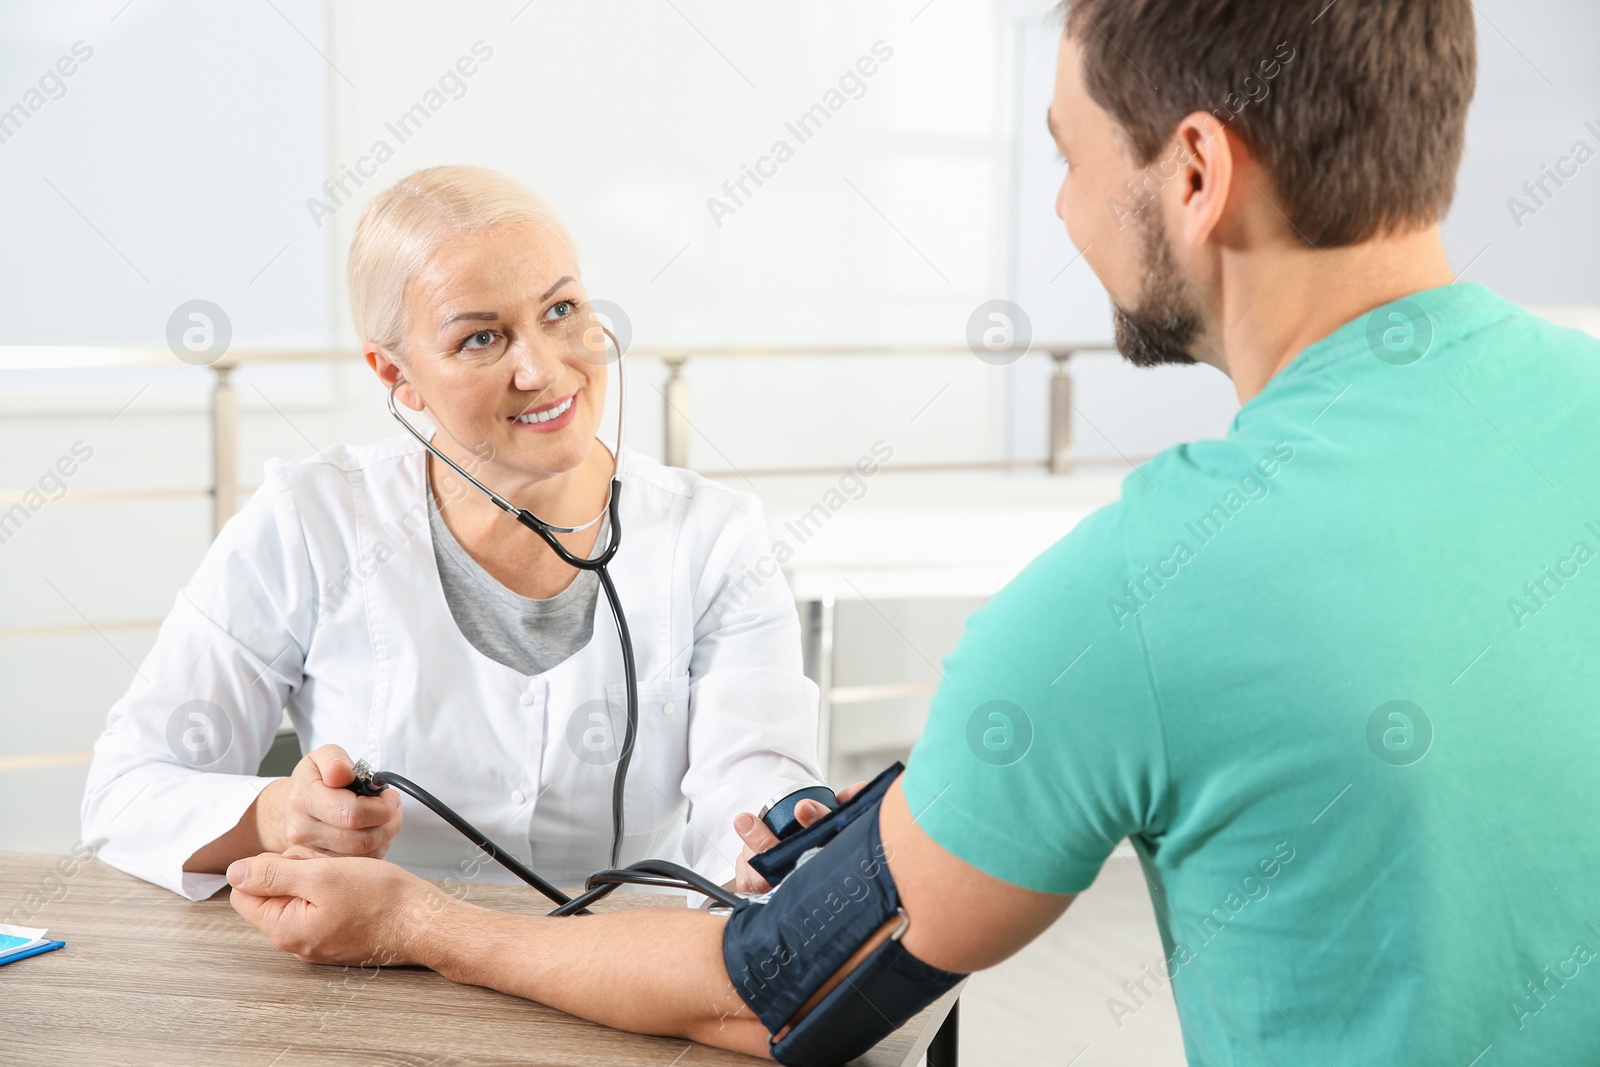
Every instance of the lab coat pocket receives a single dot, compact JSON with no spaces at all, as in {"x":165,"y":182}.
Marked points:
{"x":654,"y":804}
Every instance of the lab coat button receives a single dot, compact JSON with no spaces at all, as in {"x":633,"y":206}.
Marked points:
{"x":668,"y":708}
{"x":518,"y":797}
{"x":527,"y":698}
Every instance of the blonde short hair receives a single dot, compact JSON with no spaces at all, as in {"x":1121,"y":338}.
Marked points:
{"x":403,"y":225}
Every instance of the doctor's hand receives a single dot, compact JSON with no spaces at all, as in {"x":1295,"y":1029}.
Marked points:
{"x":338,"y":910}
{"x":312,"y":808}
{"x":757,"y":838}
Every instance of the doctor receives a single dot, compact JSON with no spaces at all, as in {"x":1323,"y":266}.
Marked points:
{"x":400,"y":616}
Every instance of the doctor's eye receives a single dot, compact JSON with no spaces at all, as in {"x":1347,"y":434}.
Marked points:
{"x":480,"y":341}
{"x":561,"y":309}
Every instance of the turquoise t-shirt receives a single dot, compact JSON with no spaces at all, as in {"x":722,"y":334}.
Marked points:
{"x":1337,"y":677}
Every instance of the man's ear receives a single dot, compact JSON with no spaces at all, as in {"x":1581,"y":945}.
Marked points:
{"x":1207,"y":156}
{"x":388,"y":371}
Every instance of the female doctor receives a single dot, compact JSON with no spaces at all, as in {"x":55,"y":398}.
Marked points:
{"x":400,"y":616}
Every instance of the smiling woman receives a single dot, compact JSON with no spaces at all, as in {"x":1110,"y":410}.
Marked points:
{"x":465,"y":659}
{"x":464,"y":287}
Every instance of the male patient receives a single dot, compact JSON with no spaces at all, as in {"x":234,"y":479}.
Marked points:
{"x":1336,"y":676}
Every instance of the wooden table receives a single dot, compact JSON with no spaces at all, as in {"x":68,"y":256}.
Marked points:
{"x":148,"y":978}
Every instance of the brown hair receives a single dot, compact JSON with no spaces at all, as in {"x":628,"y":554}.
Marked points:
{"x":1357,"y":109}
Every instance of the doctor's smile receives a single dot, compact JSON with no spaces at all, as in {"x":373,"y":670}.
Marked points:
{"x":549,"y":418}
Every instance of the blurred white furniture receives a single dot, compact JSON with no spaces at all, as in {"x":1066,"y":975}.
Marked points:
{"x":912,"y":536}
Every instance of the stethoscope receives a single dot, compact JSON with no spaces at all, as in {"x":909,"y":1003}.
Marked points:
{"x":597,"y":563}
{"x":777,"y":813}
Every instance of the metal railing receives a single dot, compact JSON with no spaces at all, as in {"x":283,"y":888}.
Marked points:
{"x":225,"y":490}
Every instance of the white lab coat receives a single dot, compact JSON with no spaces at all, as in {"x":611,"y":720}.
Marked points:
{"x":322,"y":596}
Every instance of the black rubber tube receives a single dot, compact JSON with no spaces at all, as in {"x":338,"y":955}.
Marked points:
{"x":619,"y":778}
{"x":472,"y":833}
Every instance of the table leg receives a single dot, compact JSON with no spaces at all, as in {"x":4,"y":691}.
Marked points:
{"x":942,"y":1051}
{"x":819,"y":668}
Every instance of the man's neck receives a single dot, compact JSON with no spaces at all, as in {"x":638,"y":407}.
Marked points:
{"x":1277,"y":302}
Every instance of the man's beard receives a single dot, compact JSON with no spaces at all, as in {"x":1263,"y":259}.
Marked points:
{"x":1163,"y":326}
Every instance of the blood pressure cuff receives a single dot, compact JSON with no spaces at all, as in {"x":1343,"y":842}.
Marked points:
{"x":832,"y":895}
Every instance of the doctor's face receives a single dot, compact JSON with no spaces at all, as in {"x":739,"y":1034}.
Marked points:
{"x":505,"y":351}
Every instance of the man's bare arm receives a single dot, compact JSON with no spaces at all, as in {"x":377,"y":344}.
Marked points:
{"x":661,"y":972}
{"x":652,"y":970}
{"x":962,"y":919}
{"x":649,"y":970}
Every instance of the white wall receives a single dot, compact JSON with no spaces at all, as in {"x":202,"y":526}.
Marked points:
{"x":630,"y":116}
{"x":1538,"y":87}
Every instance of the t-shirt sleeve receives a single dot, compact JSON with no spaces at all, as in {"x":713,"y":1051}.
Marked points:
{"x":1044,"y":745}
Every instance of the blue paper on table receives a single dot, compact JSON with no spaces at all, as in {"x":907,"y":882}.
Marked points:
{"x":20,"y":942}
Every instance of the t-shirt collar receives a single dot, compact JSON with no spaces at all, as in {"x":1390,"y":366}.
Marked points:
{"x":1394,"y":332}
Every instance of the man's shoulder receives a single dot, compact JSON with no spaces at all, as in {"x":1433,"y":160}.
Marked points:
{"x":1171,"y":508}
{"x":1162,"y":495}
{"x":1195,"y":486}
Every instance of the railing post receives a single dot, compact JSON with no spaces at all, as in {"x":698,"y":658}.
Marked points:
{"x":224,"y":448}
{"x":1061,"y":415}
{"x":675,"y":450}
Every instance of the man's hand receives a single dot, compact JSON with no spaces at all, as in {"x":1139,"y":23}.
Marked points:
{"x":340,"y":910}
{"x":312,"y":808}
{"x":757,"y":838}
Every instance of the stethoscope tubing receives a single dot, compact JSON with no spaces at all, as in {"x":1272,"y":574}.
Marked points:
{"x":598,"y":564}
{"x":650,"y":872}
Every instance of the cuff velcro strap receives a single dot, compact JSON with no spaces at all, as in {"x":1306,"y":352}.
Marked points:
{"x":889,"y":987}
